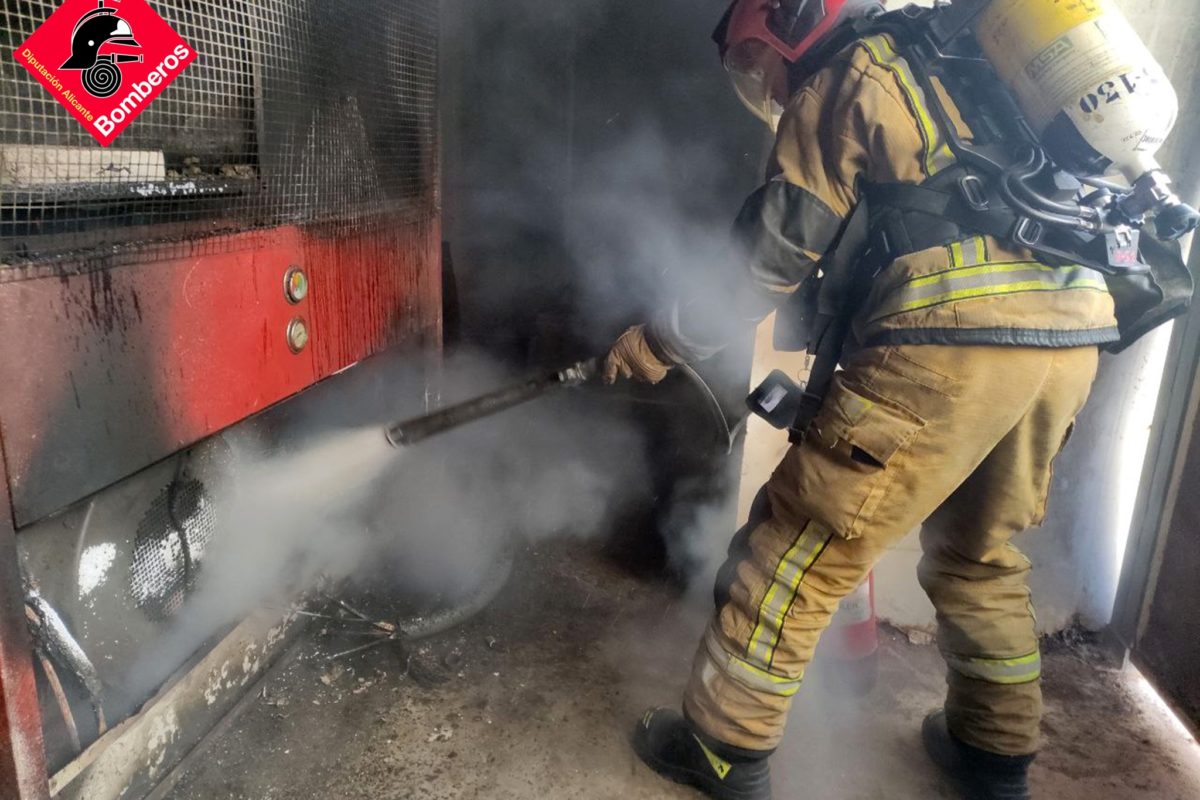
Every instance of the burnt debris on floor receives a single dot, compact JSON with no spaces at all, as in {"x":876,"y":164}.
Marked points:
{"x":536,"y":696}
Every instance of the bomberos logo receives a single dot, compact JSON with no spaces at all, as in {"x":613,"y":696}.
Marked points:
{"x":105,"y":61}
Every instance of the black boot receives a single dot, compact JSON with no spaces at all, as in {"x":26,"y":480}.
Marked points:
{"x":979,"y":774}
{"x":674,"y":749}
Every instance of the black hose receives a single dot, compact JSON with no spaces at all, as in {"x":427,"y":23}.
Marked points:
{"x":726,"y":435}
{"x":442,"y":620}
{"x":1021,"y":173}
{"x":1061,"y":215}
{"x":1101,"y":183}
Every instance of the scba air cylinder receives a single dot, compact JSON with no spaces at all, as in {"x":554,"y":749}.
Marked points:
{"x":1086,"y":81}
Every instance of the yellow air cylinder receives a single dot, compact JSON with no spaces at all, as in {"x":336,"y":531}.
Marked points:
{"x":1086,"y":81}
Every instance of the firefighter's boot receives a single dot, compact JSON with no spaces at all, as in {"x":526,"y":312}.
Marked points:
{"x":675,"y":749}
{"x":979,"y":774}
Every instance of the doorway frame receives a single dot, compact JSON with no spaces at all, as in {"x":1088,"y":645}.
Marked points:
{"x":1173,"y":427}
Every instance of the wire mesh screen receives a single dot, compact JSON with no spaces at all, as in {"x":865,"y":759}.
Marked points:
{"x":171,"y":540}
{"x":294,"y":112}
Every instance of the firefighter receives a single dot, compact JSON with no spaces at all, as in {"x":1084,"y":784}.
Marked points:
{"x":963,"y":369}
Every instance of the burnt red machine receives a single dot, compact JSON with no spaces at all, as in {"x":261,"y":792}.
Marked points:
{"x":270,"y":220}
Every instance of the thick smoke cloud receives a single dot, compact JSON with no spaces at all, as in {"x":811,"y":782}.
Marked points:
{"x":595,"y":159}
{"x":317,"y":492}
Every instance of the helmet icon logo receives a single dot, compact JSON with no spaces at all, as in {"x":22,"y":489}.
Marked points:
{"x":105,"y":61}
{"x":101,"y":30}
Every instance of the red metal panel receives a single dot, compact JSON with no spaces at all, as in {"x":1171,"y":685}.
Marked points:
{"x":112,"y":370}
{"x":22,"y":759}
{"x":223,"y":352}
{"x":373,"y":290}
{"x":108,"y":371}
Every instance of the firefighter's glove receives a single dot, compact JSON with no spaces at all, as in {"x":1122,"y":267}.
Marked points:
{"x":633,"y":358}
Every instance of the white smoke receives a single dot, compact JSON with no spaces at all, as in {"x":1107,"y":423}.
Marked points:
{"x":323,"y":495}
{"x":638,"y":215}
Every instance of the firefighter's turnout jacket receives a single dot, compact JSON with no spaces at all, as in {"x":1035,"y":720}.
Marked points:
{"x":971,"y":361}
{"x":865,"y":120}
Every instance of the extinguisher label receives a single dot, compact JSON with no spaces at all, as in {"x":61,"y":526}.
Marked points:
{"x":855,"y":607}
{"x":105,"y":61}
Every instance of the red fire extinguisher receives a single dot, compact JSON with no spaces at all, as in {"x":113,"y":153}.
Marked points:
{"x":852,"y":642}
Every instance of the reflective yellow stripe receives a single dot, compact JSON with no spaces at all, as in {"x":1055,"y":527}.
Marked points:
{"x":792,"y":568}
{"x":987,"y":280}
{"x":971,"y":272}
{"x":747,"y":674}
{"x":938,"y":155}
{"x":719,"y":765}
{"x":1004,"y":671}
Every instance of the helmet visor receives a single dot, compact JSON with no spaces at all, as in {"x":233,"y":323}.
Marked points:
{"x":759,"y":76}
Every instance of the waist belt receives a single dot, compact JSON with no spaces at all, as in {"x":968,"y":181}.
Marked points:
{"x":956,"y":205}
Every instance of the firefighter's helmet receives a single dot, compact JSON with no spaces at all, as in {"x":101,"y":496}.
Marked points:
{"x":94,"y":30}
{"x":758,"y":39}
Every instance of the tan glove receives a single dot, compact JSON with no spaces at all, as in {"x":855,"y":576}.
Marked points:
{"x":631,"y":357}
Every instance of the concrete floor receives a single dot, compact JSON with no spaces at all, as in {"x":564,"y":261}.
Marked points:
{"x":535,"y":699}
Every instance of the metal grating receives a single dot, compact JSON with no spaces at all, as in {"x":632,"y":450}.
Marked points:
{"x":171,"y":540}
{"x":295,"y":112}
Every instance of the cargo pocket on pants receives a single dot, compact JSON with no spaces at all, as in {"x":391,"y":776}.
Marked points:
{"x":849,"y":459}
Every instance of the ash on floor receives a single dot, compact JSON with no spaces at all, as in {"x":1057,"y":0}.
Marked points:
{"x":536,"y":697}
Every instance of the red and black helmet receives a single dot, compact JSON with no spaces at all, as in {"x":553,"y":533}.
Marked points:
{"x":758,"y":39}
{"x":790,"y":27}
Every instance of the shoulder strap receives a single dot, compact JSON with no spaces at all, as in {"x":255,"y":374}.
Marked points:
{"x":845,"y":282}
{"x":917,"y":217}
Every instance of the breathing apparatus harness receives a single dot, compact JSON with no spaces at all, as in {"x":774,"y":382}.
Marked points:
{"x":1002,"y":185}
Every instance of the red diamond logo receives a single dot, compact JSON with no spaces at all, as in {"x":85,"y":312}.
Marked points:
{"x":105,"y":61}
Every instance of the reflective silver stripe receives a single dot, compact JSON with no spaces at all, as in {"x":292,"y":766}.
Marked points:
{"x":782,"y":592}
{"x":938,"y":155}
{"x":969,"y":253}
{"x":746,"y":673}
{"x":986,"y":280}
{"x":1006,"y":671}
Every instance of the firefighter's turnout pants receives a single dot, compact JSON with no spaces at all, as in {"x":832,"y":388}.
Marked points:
{"x":961,"y":436}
